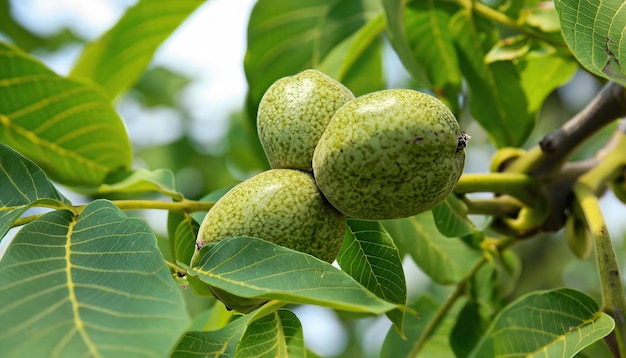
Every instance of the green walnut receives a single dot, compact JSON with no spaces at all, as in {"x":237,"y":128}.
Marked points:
{"x":389,"y":154}
{"x":283,"y":206}
{"x":293,"y":114}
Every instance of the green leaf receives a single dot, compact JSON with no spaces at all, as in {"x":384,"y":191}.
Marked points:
{"x":496,"y":98}
{"x":359,"y":53}
{"x":467,"y":331}
{"x":510,"y":48}
{"x":93,"y":284}
{"x":486,"y":291}
{"x":394,"y":11}
{"x":396,"y":346}
{"x":286,"y":37}
{"x":185,"y":239}
{"x":541,"y":71}
{"x":545,"y":18}
{"x":556,"y":323}
{"x":117,"y":59}
{"x":159,"y":86}
{"x":437,"y":344}
{"x":594,"y":31}
{"x":278,"y":334}
{"x":451,"y":218}
{"x":444,"y":260}
{"x":23,"y":185}
{"x":254,"y":268}
{"x":140,"y":181}
{"x":219,"y":343}
{"x":67,"y":127}
{"x":369,"y":255}
{"x":599,"y":349}
{"x":27,"y":40}
{"x":433,"y":47}
{"x":541,"y":67}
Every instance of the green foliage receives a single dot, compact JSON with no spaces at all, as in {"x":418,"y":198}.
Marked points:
{"x":545,"y":324}
{"x":67,"y":127}
{"x":87,"y":278}
{"x":604,"y":48}
{"x":118,"y":58}
{"x":76,"y":293}
{"x":253,"y":268}
{"x":23,"y":185}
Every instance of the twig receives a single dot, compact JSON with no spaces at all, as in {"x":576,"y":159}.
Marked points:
{"x":613,"y":299}
{"x":521,"y":186}
{"x":555,"y":148}
{"x":180,"y":206}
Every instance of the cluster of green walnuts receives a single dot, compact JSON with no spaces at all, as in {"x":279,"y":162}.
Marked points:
{"x":384,"y":155}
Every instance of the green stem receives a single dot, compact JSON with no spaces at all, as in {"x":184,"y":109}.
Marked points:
{"x":175,"y":267}
{"x":521,"y":186}
{"x":498,"y":206}
{"x":554,"y":149}
{"x":181,"y":206}
{"x":614,"y":301}
{"x":444,"y":308}
{"x":25,"y":220}
{"x":611,"y":164}
{"x":186,"y":206}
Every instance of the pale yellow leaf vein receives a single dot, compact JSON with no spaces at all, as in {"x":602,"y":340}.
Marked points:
{"x":78,"y":322}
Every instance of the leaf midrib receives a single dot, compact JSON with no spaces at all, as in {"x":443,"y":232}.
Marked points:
{"x":78,"y":322}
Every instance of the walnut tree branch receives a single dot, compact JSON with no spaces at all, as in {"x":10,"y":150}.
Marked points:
{"x":554,"y":149}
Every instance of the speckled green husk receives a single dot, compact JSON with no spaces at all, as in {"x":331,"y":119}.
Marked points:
{"x":283,"y":206}
{"x":293,"y":114}
{"x":389,"y":154}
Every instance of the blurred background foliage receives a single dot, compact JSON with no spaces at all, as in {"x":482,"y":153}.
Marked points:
{"x":210,"y":147}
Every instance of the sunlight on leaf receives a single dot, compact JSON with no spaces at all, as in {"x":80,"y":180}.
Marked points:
{"x":94,"y":284}
{"x":67,"y":127}
{"x":556,"y":323}
{"x":117,"y":59}
{"x":595,"y":31}
{"x":254,"y":268}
